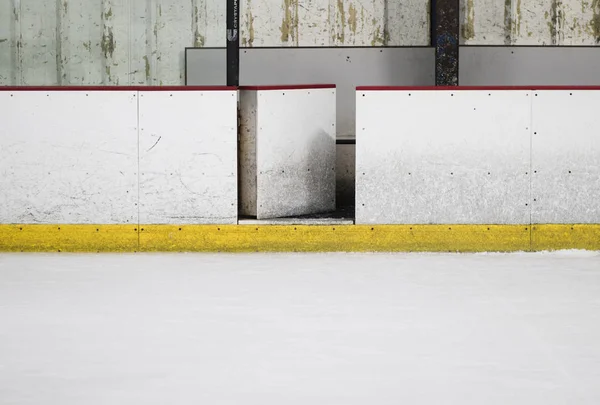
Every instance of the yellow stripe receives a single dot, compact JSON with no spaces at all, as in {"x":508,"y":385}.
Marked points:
{"x":297,"y":238}
{"x":555,"y":237}
{"x":341,"y":238}
{"x":68,"y":238}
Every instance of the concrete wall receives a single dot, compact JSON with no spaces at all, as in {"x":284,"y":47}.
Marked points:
{"x":530,"y":22}
{"x":120,"y":42}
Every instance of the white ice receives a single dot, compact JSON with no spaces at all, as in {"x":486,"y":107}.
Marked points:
{"x":300,"y":329}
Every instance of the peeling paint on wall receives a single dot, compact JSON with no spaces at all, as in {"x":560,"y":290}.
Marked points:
{"x":199,"y":39}
{"x":352,"y":18}
{"x":380,"y":37}
{"x":108,"y":43}
{"x":516,"y":25}
{"x":534,"y":22}
{"x":595,"y":21}
{"x":358,"y":23}
{"x":289,"y":23}
{"x":552,"y":21}
{"x":248,"y":35}
{"x":507,"y":22}
{"x":147,"y":68}
{"x":468,"y":26}
{"x":340,"y":36}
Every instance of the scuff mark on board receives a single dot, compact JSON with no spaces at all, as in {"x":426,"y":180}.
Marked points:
{"x":155,"y":143}
{"x":3,"y":40}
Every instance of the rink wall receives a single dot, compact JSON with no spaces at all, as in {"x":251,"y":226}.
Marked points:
{"x":155,"y":169}
{"x":478,"y":155}
{"x":124,"y":155}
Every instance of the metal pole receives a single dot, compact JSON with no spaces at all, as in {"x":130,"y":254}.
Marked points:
{"x":233,"y":43}
{"x":444,"y":37}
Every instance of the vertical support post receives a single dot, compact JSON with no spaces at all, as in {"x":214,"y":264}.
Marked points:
{"x":444,"y":38}
{"x":233,"y":43}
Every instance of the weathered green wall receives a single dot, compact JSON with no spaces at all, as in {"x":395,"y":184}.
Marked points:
{"x":531,"y":22}
{"x":142,"y":41}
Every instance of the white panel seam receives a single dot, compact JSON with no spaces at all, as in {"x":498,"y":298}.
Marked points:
{"x":138,"y":95}
{"x":531,"y":131}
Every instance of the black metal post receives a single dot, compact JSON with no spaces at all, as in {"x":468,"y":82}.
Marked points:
{"x":233,"y":43}
{"x":445,"y":28}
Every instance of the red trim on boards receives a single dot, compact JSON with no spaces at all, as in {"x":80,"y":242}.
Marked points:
{"x":117,"y":88}
{"x":462,"y":88}
{"x":187,"y":88}
{"x":289,"y":87}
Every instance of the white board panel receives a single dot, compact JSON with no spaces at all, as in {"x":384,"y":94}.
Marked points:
{"x":295,"y":149}
{"x":456,"y":157}
{"x":68,"y":157}
{"x":188,"y":157}
{"x":566,"y":156}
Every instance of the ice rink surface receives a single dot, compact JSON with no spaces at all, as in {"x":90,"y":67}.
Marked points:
{"x":313,"y":329}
